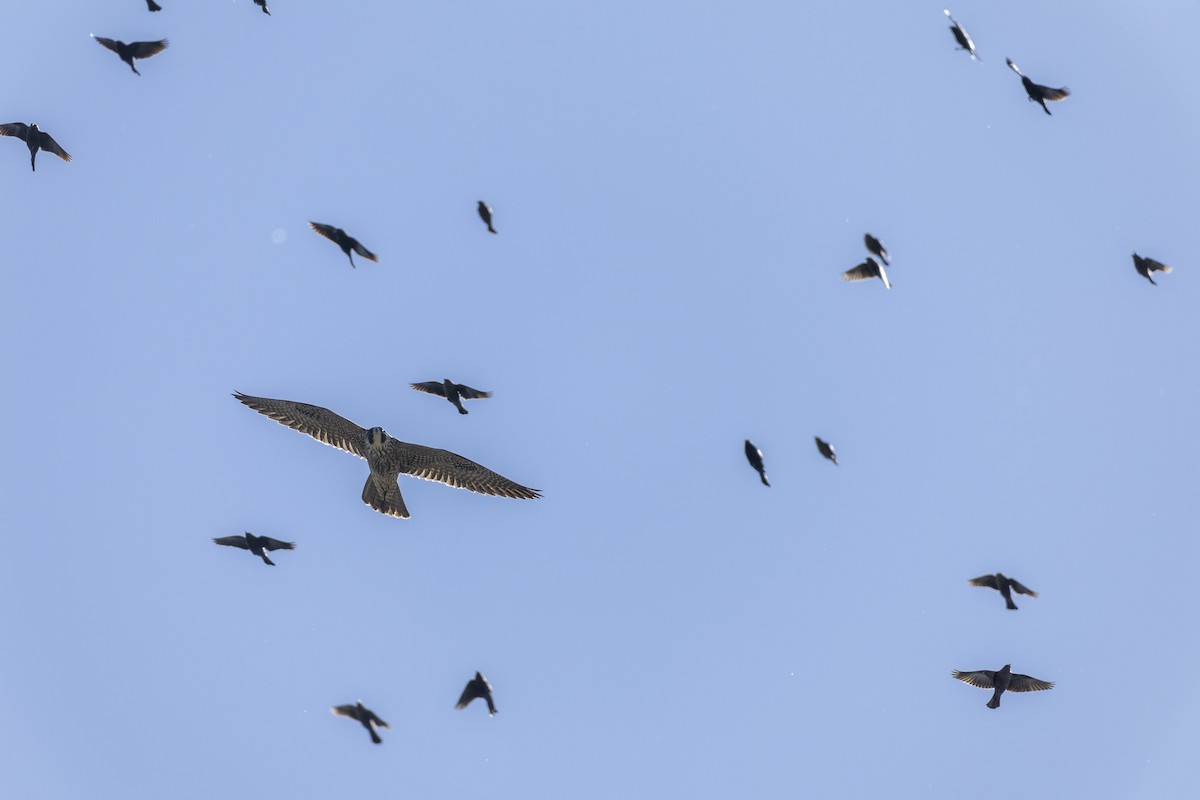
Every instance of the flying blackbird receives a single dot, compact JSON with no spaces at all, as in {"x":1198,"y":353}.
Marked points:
{"x":477,"y":687}
{"x":876,"y":248}
{"x":826,"y":449}
{"x":1038,"y":92}
{"x":128,"y":52}
{"x":364,"y":715}
{"x":35,"y":139}
{"x":344,"y":241}
{"x":485,"y":214}
{"x":1003,"y":681}
{"x":451,"y":391}
{"x":1145,"y":266}
{"x":263,"y":5}
{"x":153,"y":6}
{"x":258,"y":545}
{"x":1005,"y":584}
{"x":754,"y":456}
{"x":960,"y":36}
{"x":865,"y":271}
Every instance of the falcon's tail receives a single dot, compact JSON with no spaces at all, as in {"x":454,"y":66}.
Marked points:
{"x":388,"y":501}
{"x":374,"y":736}
{"x":266,"y":560}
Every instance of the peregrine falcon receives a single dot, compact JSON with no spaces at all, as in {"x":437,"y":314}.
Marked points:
{"x":754,"y":456}
{"x":865,"y":271}
{"x":826,"y":449}
{"x":477,"y":687}
{"x":387,"y":457}
{"x":258,"y":545}
{"x":451,"y":391}
{"x":369,"y":719}
{"x":485,"y":214}
{"x":1003,"y":680}
{"x":128,"y":52}
{"x":1038,"y":92}
{"x":35,"y":139}
{"x":344,"y":241}
{"x":1145,"y":266}
{"x":1005,"y":585}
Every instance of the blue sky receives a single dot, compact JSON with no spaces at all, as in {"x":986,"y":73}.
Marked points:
{"x":677,"y":187}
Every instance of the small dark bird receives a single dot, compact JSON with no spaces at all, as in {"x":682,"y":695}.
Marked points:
{"x":485,"y":214}
{"x":826,"y":449}
{"x":366,"y":716}
{"x":153,"y":6}
{"x":344,"y":241}
{"x":1003,"y":681}
{"x":875,"y":248}
{"x":1038,"y":92}
{"x":35,"y":139}
{"x":451,"y":391}
{"x":128,"y":52}
{"x":263,"y":5}
{"x":258,"y":545}
{"x":865,"y":271}
{"x":477,"y":687}
{"x":1005,"y":585}
{"x":960,"y":36}
{"x":754,"y":456}
{"x":1145,"y":266}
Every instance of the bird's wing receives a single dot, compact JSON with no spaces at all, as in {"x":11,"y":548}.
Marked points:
{"x":147,"y":49}
{"x":983,"y":678}
{"x":1052,"y":94}
{"x":864,"y":271}
{"x":328,"y":231}
{"x":373,"y":717}
{"x":1153,"y":265}
{"x":430,"y":387}
{"x":274,"y":544}
{"x":233,"y":541}
{"x":319,"y":423}
{"x":1024,"y":683}
{"x":348,"y":710}
{"x":17,"y":129}
{"x":472,"y":690}
{"x":985,"y":580}
{"x":467,"y":393}
{"x":454,"y":470}
{"x":362,"y":251}
{"x":50,"y":146}
{"x":1022,"y":588}
{"x":109,"y":43}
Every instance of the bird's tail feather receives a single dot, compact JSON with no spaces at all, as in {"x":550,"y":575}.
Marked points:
{"x":387,"y":501}
{"x":374,"y":736}
{"x":266,"y":560}
{"x":995,"y":701}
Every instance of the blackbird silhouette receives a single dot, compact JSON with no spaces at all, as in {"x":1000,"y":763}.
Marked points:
{"x":263,"y":5}
{"x":1145,"y":266}
{"x":477,"y":687}
{"x":35,"y":139}
{"x":754,"y":456}
{"x":369,"y":719}
{"x":826,"y":449}
{"x":454,"y":392}
{"x":1004,"y":680}
{"x":1005,"y":585}
{"x":258,"y":545}
{"x":485,"y":214}
{"x":153,"y":6}
{"x":876,"y":248}
{"x":865,"y":271}
{"x":344,"y":241}
{"x":1038,"y":92}
{"x":960,"y":36}
{"x":128,"y":52}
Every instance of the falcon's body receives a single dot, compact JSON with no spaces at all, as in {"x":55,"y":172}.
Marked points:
{"x":344,"y":241}
{"x":258,"y":545}
{"x":387,"y":457}
{"x":960,"y":36}
{"x":865,"y":271}
{"x":876,"y":248}
{"x":128,"y":52}
{"x":366,"y":716}
{"x":826,"y":449}
{"x":35,"y":139}
{"x":454,"y":392}
{"x":754,"y":456}
{"x":1005,"y":585}
{"x":485,"y":214}
{"x":1036,"y":91}
{"x":1002,"y":680}
{"x":1145,"y":266}
{"x":477,"y":687}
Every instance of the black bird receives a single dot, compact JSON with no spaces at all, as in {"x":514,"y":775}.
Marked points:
{"x":153,"y":6}
{"x":960,"y":36}
{"x":1005,"y":585}
{"x":485,"y":214}
{"x":344,"y":241}
{"x":258,"y":545}
{"x":451,"y":391}
{"x":876,"y":248}
{"x":754,"y":456}
{"x":1003,"y":681}
{"x":477,"y":687}
{"x":865,"y":271}
{"x":263,"y":5}
{"x":1145,"y":266}
{"x":35,"y":139}
{"x":128,"y":52}
{"x":1038,"y":92}
{"x":826,"y":449}
{"x":366,"y":716}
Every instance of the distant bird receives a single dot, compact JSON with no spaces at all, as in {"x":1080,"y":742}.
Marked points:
{"x":258,"y":545}
{"x":1038,"y":92}
{"x":451,"y":391}
{"x":344,"y":241}
{"x":866,"y":270}
{"x":35,"y":139}
{"x":826,"y":449}
{"x":960,"y":36}
{"x":477,"y":687}
{"x":1145,"y":266}
{"x":369,"y":719}
{"x":754,"y":456}
{"x":485,"y":214}
{"x":875,"y":247}
{"x":128,"y":52}
{"x":387,"y":457}
{"x":263,"y":5}
{"x":153,"y":6}
{"x":1003,"y":681}
{"x":1005,"y":585}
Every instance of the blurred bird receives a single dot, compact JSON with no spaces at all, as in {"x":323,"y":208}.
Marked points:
{"x":1005,"y":585}
{"x":960,"y":36}
{"x":866,"y":270}
{"x":263,"y":5}
{"x":875,"y":247}
{"x":128,"y":52}
{"x":1003,"y":681}
{"x":477,"y":687}
{"x":1145,"y":266}
{"x":451,"y":391}
{"x":826,"y":449}
{"x":1038,"y":92}
{"x":344,"y":241}
{"x":754,"y":456}
{"x":366,"y":716}
{"x":35,"y":139}
{"x":153,"y":6}
{"x":258,"y":545}
{"x":485,"y":214}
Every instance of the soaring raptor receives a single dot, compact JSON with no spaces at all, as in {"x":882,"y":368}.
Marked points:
{"x":387,"y":457}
